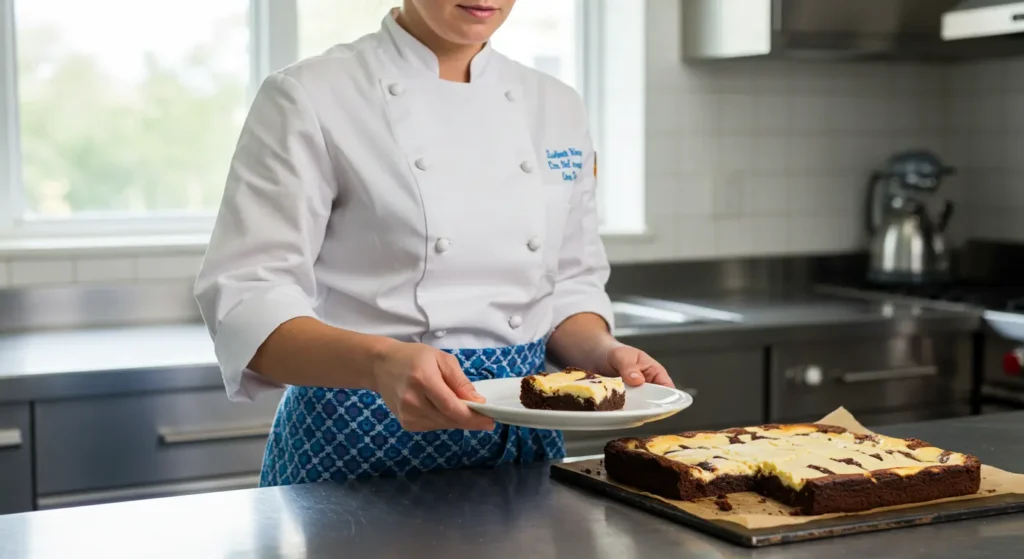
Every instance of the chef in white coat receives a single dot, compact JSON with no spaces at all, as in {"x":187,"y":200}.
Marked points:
{"x":404,"y":215}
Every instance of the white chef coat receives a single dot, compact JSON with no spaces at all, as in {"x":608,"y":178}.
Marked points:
{"x":371,"y":194}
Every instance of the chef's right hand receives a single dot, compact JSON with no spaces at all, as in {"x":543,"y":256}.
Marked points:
{"x":425,"y":388}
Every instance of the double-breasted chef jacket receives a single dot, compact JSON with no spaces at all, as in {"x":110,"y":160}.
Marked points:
{"x":371,"y":194}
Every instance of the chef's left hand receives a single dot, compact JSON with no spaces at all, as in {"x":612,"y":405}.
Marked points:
{"x":634,"y":366}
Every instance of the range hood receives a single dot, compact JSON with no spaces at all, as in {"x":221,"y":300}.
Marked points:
{"x":974,"y":19}
{"x":917,"y":30}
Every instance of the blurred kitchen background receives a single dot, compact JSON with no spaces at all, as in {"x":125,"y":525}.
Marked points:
{"x":737,"y":138}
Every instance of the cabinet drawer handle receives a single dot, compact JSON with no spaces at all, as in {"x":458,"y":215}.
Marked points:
{"x":889,"y":374}
{"x":10,"y":438}
{"x":170,"y":437}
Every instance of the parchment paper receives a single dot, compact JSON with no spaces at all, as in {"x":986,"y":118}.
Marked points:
{"x":753,"y":511}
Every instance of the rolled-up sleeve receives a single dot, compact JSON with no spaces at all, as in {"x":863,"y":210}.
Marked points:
{"x":258,"y":270}
{"x":583,"y":268}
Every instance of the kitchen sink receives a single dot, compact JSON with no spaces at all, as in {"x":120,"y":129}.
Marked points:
{"x":639,"y":312}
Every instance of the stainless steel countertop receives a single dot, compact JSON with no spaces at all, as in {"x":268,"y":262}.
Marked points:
{"x":800,"y":318}
{"x":509,"y":512}
{"x":76,"y":363}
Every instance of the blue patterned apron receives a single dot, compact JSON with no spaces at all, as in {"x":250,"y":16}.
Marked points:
{"x":324,"y":434}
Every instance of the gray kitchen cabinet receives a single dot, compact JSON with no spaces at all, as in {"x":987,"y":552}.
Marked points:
{"x":147,"y":445}
{"x":728,"y":389}
{"x":15,"y":459}
{"x":883,"y":380}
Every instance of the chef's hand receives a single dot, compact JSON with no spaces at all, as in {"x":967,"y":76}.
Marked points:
{"x":425,"y":388}
{"x":634,"y":366}
{"x":583,"y":340}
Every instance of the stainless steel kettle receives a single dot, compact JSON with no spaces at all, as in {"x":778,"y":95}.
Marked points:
{"x":907,"y":246}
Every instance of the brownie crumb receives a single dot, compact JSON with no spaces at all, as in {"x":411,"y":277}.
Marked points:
{"x":762,"y":500}
{"x":587,"y":471}
{"x":723,"y":504}
{"x":990,"y":491}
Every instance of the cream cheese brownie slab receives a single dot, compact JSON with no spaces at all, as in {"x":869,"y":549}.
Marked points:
{"x":816,"y":468}
{"x":572,"y":390}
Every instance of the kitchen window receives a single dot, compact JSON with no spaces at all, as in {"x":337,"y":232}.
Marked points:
{"x":119,"y":117}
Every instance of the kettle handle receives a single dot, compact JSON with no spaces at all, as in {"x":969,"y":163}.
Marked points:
{"x":873,"y":213}
{"x":947,"y":213}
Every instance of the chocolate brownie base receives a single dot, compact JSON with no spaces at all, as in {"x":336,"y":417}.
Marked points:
{"x":531,"y":398}
{"x":830,"y":494}
{"x":853,"y":493}
{"x":663,"y":477}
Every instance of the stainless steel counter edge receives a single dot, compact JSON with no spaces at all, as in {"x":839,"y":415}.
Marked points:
{"x":84,"y":384}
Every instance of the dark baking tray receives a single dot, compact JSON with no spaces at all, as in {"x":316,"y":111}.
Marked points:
{"x":813,"y":530}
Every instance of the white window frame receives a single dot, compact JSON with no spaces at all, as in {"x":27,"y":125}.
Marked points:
{"x":10,"y":169}
{"x":275,"y":44}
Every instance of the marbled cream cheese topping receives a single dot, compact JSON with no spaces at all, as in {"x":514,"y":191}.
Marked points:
{"x":579,"y":383}
{"x":796,"y":453}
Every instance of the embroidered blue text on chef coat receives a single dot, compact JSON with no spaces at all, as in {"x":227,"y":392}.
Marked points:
{"x":567,"y":161}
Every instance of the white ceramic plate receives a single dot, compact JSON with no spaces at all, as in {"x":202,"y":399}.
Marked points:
{"x":645,"y":403}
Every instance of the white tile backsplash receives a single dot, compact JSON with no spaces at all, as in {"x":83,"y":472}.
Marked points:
{"x":824,"y":234}
{"x":750,"y":235}
{"x":761,"y":195}
{"x":986,"y":140}
{"x":770,"y":114}
{"x":728,"y":188}
{"x":41,"y":272}
{"x":695,"y":153}
{"x":693,"y":238}
{"x":692,"y":194}
{"x":736,"y":114}
{"x":168,"y":267}
{"x":101,"y":270}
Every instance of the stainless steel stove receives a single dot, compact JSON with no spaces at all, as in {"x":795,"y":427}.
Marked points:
{"x":999,"y":359}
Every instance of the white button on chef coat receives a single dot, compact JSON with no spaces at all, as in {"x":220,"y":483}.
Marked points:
{"x":534,"y":244}
{"x":324,"y":217}
{"x":396,"y":89}
{"x":442,"y":245}
{"x":526,"y":166}
{"x":440,"y":333}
